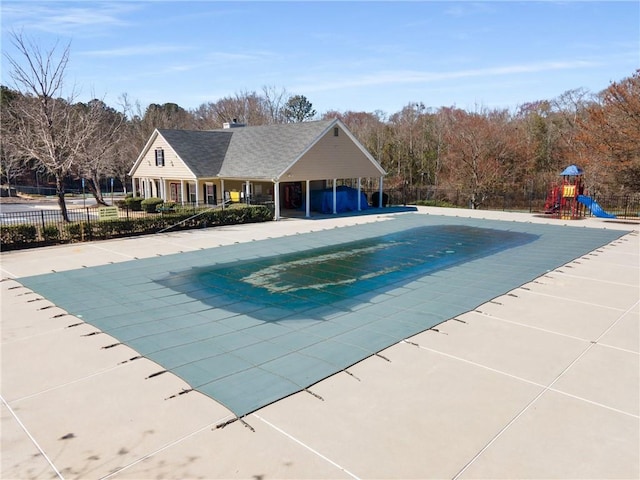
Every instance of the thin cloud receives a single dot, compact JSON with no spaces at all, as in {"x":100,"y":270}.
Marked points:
{"x":58,"y":19}
{"x":172,"y":65}
{"x":220,"y":59}
{"x":399,"y":77}
{"x":135,"y":50}
{"x":241,"y":57}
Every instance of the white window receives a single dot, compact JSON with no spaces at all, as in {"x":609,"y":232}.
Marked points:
{"x":159,"y":157}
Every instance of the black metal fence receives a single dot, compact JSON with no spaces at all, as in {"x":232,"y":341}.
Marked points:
{"x":48,"y":226}
{"x":623,"y":206}
{"x":45,"y":227}
{"x":50,"y":191}
{"x":415,"y":195}
{"x":42,"y":227}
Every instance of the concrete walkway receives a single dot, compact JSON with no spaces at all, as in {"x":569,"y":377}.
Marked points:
{"x":543,"y":382}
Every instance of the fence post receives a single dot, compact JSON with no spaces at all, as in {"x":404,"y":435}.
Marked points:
{"x":626,"y":206}
{"x":89,"y":224}
{"x":42,"y":217}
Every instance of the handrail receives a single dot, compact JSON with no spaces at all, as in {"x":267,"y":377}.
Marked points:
{"x":193,"y":216}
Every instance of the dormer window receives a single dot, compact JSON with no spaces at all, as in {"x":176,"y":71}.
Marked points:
{"x":159,"y":157}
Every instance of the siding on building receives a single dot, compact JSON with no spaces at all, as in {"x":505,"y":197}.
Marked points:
{"x":174,"y":167}
{"x":332,"y":157}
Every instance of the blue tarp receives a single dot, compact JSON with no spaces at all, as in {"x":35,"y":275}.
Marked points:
{"x":346,"y":200}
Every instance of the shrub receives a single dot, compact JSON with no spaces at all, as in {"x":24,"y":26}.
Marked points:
{"x":77,"y":232}
{"x":50,"y":232}
{"x":18,"y":234}
{"x":123,"y":203}
{"x":149,"y":205}
{"x":112,"y":228}
{"x":435,"y":203}
{"x":166,"y":207}
{"x":134,"y":203}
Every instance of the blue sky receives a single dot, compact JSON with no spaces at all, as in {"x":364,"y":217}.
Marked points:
{"x":360,"y":56}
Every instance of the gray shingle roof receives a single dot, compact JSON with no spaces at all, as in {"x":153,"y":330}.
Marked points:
{"x":242,"y":152}
{"x":268,"y":150}
{"x":202,"y":151}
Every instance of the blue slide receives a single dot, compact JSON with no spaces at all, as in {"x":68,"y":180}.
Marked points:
{"x":594,"y":206}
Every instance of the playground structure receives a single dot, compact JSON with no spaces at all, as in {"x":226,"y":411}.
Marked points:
{"x":568,"y":200}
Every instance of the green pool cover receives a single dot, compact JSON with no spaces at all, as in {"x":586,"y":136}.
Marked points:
{"x":252,"y":323}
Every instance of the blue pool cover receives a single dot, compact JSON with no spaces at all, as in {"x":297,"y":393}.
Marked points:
{"x":252,"y":323}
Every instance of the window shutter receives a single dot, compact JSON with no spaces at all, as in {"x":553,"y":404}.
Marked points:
{"x":159,"y":157}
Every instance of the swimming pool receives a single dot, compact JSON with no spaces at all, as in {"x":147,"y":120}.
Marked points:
{"x":302,"y":282}
{"x":252,"y":323}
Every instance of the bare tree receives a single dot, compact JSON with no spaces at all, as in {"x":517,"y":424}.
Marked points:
{"x":48,"y":129}
{"x":139,"y":127}
{"x":122,"y":158}
{"x":274,"y":103}
{"x":12,"y":163}
{"x":569,"y":108}
{"x":245,"y":107}
{"x":101,"y":147}
{"x":478,"y":155}
{"x":409,"y":141}
{"x":206,"y":116}
{"x":610,"y":136}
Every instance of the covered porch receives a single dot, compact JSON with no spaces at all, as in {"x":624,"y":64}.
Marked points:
{"x":289,"y":195}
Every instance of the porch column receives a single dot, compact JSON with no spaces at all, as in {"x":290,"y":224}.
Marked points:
{"x":359,"y":194}
{"x":335,"y":197}
{"x":247,"y":191}
{"x":380,"y":196}
{"x":222,"y":191}
{"x":197,"y":193}
{"x":276,"y":199}
{"x":133,"y":187}
{"x":307,"y":201}
{"x":182,"y":191}
{"x":163,"y":190}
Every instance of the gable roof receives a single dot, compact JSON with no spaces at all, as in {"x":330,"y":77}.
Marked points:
{"x":269,"y":149}
{"x":202,"y":151}
{"x":265,"y":151}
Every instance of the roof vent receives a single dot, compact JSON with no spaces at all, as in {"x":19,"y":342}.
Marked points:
{"x":233,"y":124}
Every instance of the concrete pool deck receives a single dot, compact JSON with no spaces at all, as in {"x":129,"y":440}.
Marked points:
{"x":542,"y":382}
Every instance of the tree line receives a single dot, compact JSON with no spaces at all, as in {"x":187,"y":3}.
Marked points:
{"x":503,"y":151}
{"x":475,"y":152}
